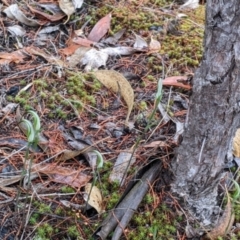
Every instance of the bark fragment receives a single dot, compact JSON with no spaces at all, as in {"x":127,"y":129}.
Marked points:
{"x":119,"y":217}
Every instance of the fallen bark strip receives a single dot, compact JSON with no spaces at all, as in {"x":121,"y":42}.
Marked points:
{"x":123,"y":212}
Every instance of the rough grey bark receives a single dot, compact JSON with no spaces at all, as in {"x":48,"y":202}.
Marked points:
{"x":213,"y":115}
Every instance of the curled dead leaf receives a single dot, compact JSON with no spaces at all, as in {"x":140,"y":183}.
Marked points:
{"x":116,"y":82}
{"x":177,"y":81}
{"x":140,"y":43}
{"x":93,"y":197}
{"x":224,"y":224}
{"x":154,"y":45}
{"x":83,"y":42}
{"x":53,"y":18}
{"x":67,"y":7}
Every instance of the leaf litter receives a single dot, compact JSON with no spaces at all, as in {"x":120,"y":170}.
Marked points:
{"x":42,"y":66}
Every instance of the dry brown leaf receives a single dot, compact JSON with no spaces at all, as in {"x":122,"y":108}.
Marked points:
{"x":9,"y":181}
{"x":83,"y":42}
{"x":177,"y":81}
{"x":95,"y":198}
{"x":67,"y":7}
{"x":156,"y":144}
{"x":16,"y":56}
{"x":224,"y":223}
{"x":116,"y":82}
{"x":100,"y":29}
{"x":71,"y":177}
{"x":69,"y":154}
{"x":50,"y":59}
{"x":236,"y":144}
{"x":53,"y":18}
{"x":70,"y":49}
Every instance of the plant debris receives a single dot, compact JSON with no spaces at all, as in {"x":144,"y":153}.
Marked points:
{"x":74,"y":65}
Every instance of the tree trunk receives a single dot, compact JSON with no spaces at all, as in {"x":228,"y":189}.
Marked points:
{"x":213,"y":114}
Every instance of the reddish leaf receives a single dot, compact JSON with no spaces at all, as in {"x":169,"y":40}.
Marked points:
{"x":16,"y":56}
{"x":52,"y":18}
{"x":83,"y":41}
{"x":74,"y":178}
{"x":70,"y":49}
{"x":177,"y":81}
{"x":100,"y":29}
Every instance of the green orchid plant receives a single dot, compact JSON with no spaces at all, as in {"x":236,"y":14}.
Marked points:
{"x":32,"y":131}
{"x":33,"y":128}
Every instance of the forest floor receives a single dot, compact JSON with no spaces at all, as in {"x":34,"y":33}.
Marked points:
{"x":92,"y":96}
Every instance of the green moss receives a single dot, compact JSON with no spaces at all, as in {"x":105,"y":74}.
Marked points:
{"x":52,"y":105}
{"x":52,"y":98}
{"x":51,"y":115}
{"x":34,"y":219}
{"x":143,"y":105}
{"x":148,"y":198}
{"x":151,"y":78}
{"x":58,"y":211}
{"x":128,"y":17}
{"x":44,"y":208}
{"x":67,"y":189}
{"x":114,"y":198}
{"x":10,"y":98}
{"x":43,"y":95}
{"x":107,"y":165}
{"x":40,"y":83}
{"x":44,"y":231}
{"x":73,"y":231}
{"x":27,"y":107}
{"x":20,"y":100}
{"x":41,"y":233}
{"x":23,"y":82}
{"x":160,"y":225}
